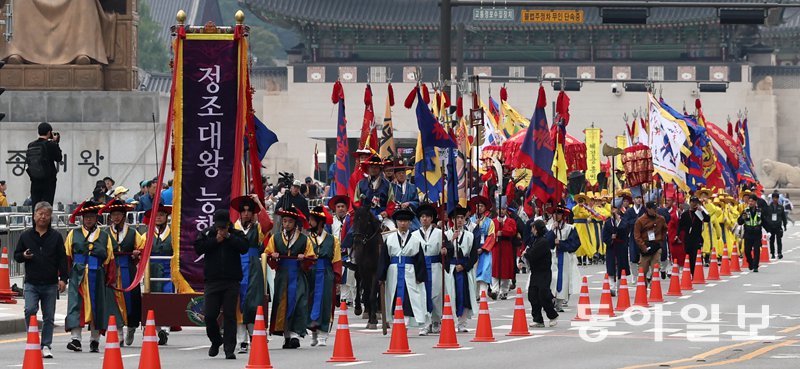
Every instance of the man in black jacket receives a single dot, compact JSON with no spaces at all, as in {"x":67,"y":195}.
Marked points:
{"x":752,"y":219}
{"x":43,"y":181}
{"x":42,"y":251}
{"x":690,"y":229}
{"x":775,"y":222}
{"x":222,"y":247}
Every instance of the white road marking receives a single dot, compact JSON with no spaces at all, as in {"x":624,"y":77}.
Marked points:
{"x":409,"y":355}
{"x":685,"y":297}
{"x":353,"y":363}
{"x":711,"y":285}
{"x":130,"y":355}
{"x":502,"y":327}
{"x":460,"y":349}
{"x":698,"y":291}
{"x":746,"y":285}
{"x":194,"y":348}
{"x":516,"y":339}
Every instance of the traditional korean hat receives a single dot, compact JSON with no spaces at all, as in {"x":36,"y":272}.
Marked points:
{"x":243,"y":203}
{"x":604,"y":195}
{"x":373,"y":160}
{"x":625,"y":192}
{"x":363,"y":151}
{"x":703,"y":192}
{"x":166,"y":209}
{"x":403,"y":214}
{"x":87,"y":207}
{"x":400,"y":165}
{"x":338,"y":199}
{"x":321,"y":214}
{"x":458,"y":210}
{"x":561,"y":209}
{"x":427,"y":209}
{"x":294,"y":213}
{"x":582,"y":198}
{"x":116,"y":205}
{"x":479,"y":199}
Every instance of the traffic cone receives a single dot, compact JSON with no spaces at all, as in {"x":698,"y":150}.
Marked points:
{"x":33,"y":350}
{"x":6,"y":295}
{"x":735,"y":260}
{"x":447,"y":334}
{"x":112,"y":356}
{"x":584,"y":305}
{"x":641,"y":291}
{"x":259,"y":351}
{"x":606,"y":305}
{"x":655,"y":286}
{"x":764,"y":258}
{"x":484,"y":331}
{"x":399,"y":342}
{"x":699,"y":277}
{"x":519,"y":326}
{"x":150,"y":358}
{"x":674,"y":281}
{"x":725,"y":267}
{"x":686,"y":277}
{"x":623,"y":296}
{"x":713,"y":267}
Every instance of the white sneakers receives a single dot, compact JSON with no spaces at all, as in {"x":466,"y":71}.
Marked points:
{"x":462,"y":327}
{"x":323,"y":341}
{"x":314,"y":339}
{"x":319,"y":339}
{"x":536,"y":325}
{"x":553,"y":322}
{"x":46,"y":353}
{"x":424,"y":331}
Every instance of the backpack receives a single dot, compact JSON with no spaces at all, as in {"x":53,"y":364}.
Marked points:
{"x":36,"y":159}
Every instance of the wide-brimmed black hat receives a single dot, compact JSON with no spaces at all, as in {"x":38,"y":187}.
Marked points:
{"x":458,"y":210}
{"x":479,"y":199}
{"x":374,"y":160}
{"x":403,"y":214}
{"x":116,"y":205}
{"x":243,"y":203}
{"x":427,"y":209}
{"x":294,"y":213}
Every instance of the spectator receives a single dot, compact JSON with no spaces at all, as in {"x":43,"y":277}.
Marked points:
{"x":109,"y":185}
{"x":650,"y":232}
{"x":42,"y":251}
{"x":41,"y":158}
{"x":311,"y":190}
{"x":775,"y":223}
{"x":119,"y":193}
{"x":146,"y":200}
{"x":99,"y":192}
{"x":166,"y":195}
{"x":3,"y":196}
{"x":294,"y":197}
{"x":142,"y":191}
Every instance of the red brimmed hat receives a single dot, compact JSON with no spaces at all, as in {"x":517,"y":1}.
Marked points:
{"x":295,"y":214}
{"x":86,"y":207}
{"x":240,"y":203}
{"x":166,"y":209}
{"x":479,"y":199}
{"x":374,"y":160}
{"x":562,"y":209}
{"x":320,"y":213}
{"x":338,"y":199}
{"x":116,"y":205}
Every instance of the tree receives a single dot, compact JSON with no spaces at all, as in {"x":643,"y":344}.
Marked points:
{"x":264,"y":46}
{"x":152,"y":50}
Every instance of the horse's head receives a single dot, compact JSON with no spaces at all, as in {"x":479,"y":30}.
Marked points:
{"x":366,"y":228}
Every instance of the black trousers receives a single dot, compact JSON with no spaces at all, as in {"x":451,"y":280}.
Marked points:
{"x":752,"y":251}
{"x":44,"y":190}
{"x":224,"y":295}
{"x":772,"y":238}
{"x":541,"y":299}
{"x":691,"y":248}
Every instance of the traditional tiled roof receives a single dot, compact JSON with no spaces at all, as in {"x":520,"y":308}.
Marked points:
{"x":198,"y":12}
{"x":424,"y":14}
{"x":261,"y":78}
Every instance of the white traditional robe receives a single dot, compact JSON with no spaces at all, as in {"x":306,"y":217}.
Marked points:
{"x":569,"y":273}
{"x":414,"y":292}
{"x":431,"y":242}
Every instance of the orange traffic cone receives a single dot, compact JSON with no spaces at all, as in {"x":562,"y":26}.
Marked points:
{"x":343,"y":347}
{"x":655,"y":286}
{"x":735,"y":260}
{"x":259,"y":351}
{"x":641,"y":291}
{"x":623,"y":296}
{"x":725,"y":267}
{"x":764,"y":258}
{"x":484,"y":331}
{"x":584,"y":305}
{"x":686,"y":277}
{"x":150,"y":358}
{"x":699,"y":277}
{"x":6,"y":295}
{"x":674,"y":281}
{"x":447,"y":335}
{"x":713,"y":267}
{"x":606,"y":305}
{"x":399,"y":342}
{"x":519,"y":326}
{"x":112,"y":358}
{"x":33,"y":350}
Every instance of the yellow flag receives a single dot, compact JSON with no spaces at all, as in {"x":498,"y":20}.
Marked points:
{"x":560,"y":164}
{"x":513,"y":121}
{"x":593,"y":140}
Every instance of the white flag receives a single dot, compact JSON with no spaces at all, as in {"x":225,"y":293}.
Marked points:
{"x":665,"y":141}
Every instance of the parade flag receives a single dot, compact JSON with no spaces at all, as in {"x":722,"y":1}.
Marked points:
{"x":452,"y":179}
{"x":494,"y":110}
{"x":594,"y":139}
{"x":622,"y":143}
{"x":667,"y":138}
{"x":711,"y":171}
{"x":721,"y":138}
{"x":462,"y":138}
{"x":432,"y":134}
{"x":341,"y":172}
{"x":514,"y":122}
{"x":265,"y":138}
{"x":428,"y":171}
{"x":316,"y":160}
{"x":491,"y":134}
{"x":536,"y":154}
{"x":369,"y":130}
{"x":388,"y":149}
{"x":559,"y":133}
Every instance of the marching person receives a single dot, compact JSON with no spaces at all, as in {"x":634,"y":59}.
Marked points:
{"x":127,"y":244}
{"x":374,"y":190}
{"x":677,"y":249}
{"x":431,"y":241}
{"x":615,"y":236}
{"x":161,"y":267}
{"x":752,"y":219}
{"x":460,"y":260}
{"x":256,"y":226}
{"x":630,"y":217}
{"x":322,"y":278}
{"x":582,"y":220}
{"x":566,"y":276}
{"x":405,"y":193}
{"x":287,"y":253}
{"x":92,"y":259}
{"x":539,"y":258}
{"x":41,"y":249}
{"x":690,"y":229}
{"x":503,"y":255}
{"x":649,"y":232}
{"x":340,"y":230}
{"x":402,"y":270}
{"x":776,"y":223}
{"x":485,"y":235}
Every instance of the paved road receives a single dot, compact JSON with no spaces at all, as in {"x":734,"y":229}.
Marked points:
{"x":629,"y":344}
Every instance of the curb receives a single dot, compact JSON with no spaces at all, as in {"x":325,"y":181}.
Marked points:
{"x":11,"y":326}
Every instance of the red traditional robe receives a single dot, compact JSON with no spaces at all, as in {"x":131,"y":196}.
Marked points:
{"x":676,"y":246}
{"x":503,"y":256}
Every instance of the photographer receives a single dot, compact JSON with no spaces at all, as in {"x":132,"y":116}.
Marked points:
{"x":294,"y":197}
{"x":649,"y":231}
{"x":41,"y":158}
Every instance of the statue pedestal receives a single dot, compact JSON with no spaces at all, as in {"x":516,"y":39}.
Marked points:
{"x":52,"y":77}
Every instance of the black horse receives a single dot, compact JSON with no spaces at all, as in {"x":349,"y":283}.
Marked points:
{"x":367,"y":243}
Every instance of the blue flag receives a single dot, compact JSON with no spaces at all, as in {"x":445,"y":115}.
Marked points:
{"x":537,"y":153}
{"x":342,"y":170}
{"x":433,"y":134}
{"x":264,"y":138}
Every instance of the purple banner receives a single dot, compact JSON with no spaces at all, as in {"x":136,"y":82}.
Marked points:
{"x":208,"y":143}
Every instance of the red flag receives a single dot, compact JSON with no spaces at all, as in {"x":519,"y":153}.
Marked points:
{"x":369,"y":131}
{"x":316,"y":159}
